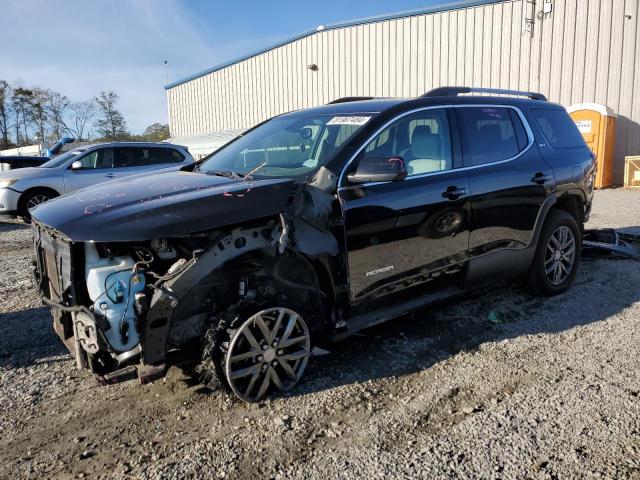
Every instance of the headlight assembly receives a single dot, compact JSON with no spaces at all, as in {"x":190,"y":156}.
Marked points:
{"x":7,"y":183}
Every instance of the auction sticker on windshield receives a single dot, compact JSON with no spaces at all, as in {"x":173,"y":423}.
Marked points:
{"x":349,"y":120}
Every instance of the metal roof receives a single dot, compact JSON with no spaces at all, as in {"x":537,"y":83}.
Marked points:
{"x":375,"y":105}
{"x":211,"y":138}
{"x":454,"y":5}
{"x":203,"y":144}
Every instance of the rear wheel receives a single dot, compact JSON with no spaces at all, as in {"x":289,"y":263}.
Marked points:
{"x":32,"y":199}
{"x":555,"y":264}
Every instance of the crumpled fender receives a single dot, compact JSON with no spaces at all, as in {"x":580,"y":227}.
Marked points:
{"x":170,"y":293}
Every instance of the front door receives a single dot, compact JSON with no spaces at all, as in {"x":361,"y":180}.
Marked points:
{"x":97,"y":167}
{"x":412,"y":232}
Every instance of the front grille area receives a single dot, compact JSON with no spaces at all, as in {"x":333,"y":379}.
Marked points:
{"x":53,"y":264}
{"x":53,"y":277}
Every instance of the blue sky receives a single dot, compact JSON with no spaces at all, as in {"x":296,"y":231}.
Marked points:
{"x":80,"y":47}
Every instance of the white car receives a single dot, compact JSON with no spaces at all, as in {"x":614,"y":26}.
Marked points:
{"x":26,"y":188}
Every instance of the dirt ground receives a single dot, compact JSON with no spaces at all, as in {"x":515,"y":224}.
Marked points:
{"x":500,"y":385}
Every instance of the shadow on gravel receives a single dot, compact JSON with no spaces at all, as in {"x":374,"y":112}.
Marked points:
{"x":9,"y":226}
{"x":27,"y":338}
{"x":416,"y":342}
{"x":407,"y":345}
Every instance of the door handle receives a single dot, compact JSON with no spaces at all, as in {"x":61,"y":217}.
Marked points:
{"x":453,"y":192}
{"x":540,"y":178}
{"x":111,"y":175}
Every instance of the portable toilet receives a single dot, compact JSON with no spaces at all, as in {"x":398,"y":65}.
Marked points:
{"x":597,"y":123}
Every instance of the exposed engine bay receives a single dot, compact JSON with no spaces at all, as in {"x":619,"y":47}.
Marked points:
{"x":128,"y":309}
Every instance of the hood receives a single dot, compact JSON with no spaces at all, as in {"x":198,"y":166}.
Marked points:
{"x":23,"y":173}
{"x":161,"y":205}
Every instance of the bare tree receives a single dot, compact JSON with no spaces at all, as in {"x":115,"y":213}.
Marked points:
{"x":57,"y":108}
{"x":38,"y":100}
{"x":110,"y":124}
{"x":81,"y":114}
{"x":5,"y":99}
{"x":21,"y":112}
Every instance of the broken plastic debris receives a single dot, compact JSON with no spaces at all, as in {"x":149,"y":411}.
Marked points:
{"x":319,"y":352}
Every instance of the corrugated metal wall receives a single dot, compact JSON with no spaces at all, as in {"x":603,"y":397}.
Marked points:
{"x":584,"y":51}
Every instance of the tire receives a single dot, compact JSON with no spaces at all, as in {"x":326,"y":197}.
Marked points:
{"x":32,"y":199}
{"x":256,"y":354}
{"x":557,"y":256}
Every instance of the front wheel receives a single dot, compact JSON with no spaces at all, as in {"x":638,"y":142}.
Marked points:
{"x":557,"y":256}
{"x":267,"y":351}
{"x":33,"y":199}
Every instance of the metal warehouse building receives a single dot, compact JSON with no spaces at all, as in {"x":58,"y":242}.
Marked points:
{"x":573,"y":51}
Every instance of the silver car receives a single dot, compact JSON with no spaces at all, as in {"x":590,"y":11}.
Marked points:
{"x":25,"y":188}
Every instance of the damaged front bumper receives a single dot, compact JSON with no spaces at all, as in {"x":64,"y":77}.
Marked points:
{"x":95,"y":300}
{"x":85,"y":334}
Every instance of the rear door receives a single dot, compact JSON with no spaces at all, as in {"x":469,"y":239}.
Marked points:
{"x":509,"y":179}
{"x":97,"y":167}
{"x":412,"y":232}
{"x":133,"y":160}
{"x":565,"y":150}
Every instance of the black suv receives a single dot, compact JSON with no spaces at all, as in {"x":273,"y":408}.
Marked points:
{"x":311,"y":226}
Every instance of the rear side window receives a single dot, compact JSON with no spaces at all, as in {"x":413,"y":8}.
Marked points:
{"x":558,"y":128}
{"x":162,"y":155}
{"x":143,"y":156}
{"x":491,"y":134}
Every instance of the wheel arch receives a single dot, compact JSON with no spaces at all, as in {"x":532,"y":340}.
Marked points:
{"x":573,"y":202}
{"x":320,"y":281}
{"x":232,"y":251}
{"x":30,"y":190}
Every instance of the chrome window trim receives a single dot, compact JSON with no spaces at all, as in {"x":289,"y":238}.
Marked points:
{"x":523,"y":119}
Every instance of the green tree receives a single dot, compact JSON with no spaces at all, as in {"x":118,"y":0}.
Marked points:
{"x":110,"y":123}
{"x":156,"y":132}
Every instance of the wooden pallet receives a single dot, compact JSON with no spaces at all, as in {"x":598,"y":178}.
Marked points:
{"x":632,"y":172}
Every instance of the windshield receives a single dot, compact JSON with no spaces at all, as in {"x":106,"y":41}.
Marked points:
{"x":286,"y":146}
{"x":60,"y":160}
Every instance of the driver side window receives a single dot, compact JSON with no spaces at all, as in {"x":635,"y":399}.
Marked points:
{"x":98,"y":159}
{"x":422,"y":139}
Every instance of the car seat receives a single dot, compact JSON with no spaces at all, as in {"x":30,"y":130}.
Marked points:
{"x":424,"y":155}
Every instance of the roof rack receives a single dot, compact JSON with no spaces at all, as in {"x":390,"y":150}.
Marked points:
{"x":454,"y":91}
{"x":349,"y":99}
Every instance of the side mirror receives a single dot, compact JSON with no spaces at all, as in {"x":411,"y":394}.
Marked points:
{"x":77,"y":165}
{"x":374,"y":168}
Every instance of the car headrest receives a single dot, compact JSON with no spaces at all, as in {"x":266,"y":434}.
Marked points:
{"x":421,"y":130}
{"x":424,"y":144}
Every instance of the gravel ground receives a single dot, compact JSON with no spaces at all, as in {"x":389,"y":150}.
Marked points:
{"x":500,"y":385}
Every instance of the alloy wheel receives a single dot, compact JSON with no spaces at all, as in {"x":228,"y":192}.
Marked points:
{"x":37,"y":200}
{"x":560,"y":255}
{"x":269,"y":349}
